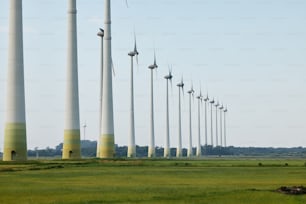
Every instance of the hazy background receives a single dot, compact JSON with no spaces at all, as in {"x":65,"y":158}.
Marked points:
{"x":249,"y":54}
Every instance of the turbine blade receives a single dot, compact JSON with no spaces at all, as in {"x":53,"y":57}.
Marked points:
{"x":156,"y":74}
{"x":154,"y":57}
{"x":135,"y":50}
{"x":113,"y":68}
{"x":137,"y":61}
{"x":127,"y":5}
{"x":135,"y":44}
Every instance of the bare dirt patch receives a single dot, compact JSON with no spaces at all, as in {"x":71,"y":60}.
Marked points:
{"x":294,"y":190}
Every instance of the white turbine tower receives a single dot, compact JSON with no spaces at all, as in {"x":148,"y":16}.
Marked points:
{"x":211,"y":122}
{"x":217,"y":105}
{"x":100,"y":34}
{"x":71,"y":144}
{"x":15,"y":137}
{"x":132,"y":146}
{"x":225,"y":112}
{"x":205,"y":119}
{"x":190,"y":151}
{"x":167,"y":152}
{"x":199,"y":150}
{"x":179,"y":145}
{"x":221,"y":137}
{"x":107,"y":137}
{"x":151,"y":149}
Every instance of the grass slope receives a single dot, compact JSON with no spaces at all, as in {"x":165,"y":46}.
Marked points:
{"x":151,"y":181}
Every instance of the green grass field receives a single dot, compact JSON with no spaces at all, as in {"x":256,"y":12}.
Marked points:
{"x":213,"y":181}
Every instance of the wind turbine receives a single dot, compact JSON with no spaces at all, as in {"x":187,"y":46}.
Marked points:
{"x":100,"y":34}
{"x":84,"y":127}
{"x":225,"y":112}
{"x":206,"y":136}
{"x":72,"y":144}
{"x":189,"y":152}
{"x":211,"y":122}
{"x":179,"y":146}
{"x":107,"y":137}
{"x":151,"y":149}
{"x":199,"y":150}
{"x":132,"y":147}
{"x":15,"y":137}
{"x":167,"y":146}
{"x":221,"y":138}
{"x":217,"y":105}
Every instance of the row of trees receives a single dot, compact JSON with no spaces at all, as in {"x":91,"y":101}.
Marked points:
{"x":89,"y":150}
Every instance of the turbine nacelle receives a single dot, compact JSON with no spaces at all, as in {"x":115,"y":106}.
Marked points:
{"x":100,"y":33}
{"x":191,"y":91}
{"x":181,"y":84}
{"x":169,"y":76}
{"x":206,"y":99}
{"x":132,"y":53}
{"x":154,"y":65}
{"x":212,"y":101}
{"x":200,"y":96}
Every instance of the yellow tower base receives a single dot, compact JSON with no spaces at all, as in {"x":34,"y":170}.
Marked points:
{"x":15,"y":142}
{"x":72,"y":145}
{"x":107,"y":146}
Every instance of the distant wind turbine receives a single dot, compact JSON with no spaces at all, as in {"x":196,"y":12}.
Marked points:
{"x":167,"y":146}
{"x":225,"y":112}
{"x":221,"y":113}
{"x":191,"y":94}
{"x":151,"y":149}
{"x":199,"y":150}
{"x":132,"y":146}
{"x":211,"y":122}
{"x":217,"y":105}
{"x":205,"y":119}
{"x":84,"y":127}
{"x":179,"y":146}
{"x":100,"y":34}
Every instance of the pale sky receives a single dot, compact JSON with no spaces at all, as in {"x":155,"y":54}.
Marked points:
{"x":249,"y":54}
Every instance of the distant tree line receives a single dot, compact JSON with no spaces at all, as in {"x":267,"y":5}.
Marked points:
{"x":89,"y":148}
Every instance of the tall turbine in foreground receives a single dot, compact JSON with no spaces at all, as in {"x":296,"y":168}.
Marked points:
{"x":211,"y":122}
{"x":151,"y":149}
{"x":15,"y":139}
{"x":179,"y":145}
{"x":107,"y":137}
{"x":189,"y":151}
{"x":132,"y":146}
{"x":221,"y":113}
{"x":100,"y":34}
{"x":71,"y":145}
{"x":167,"y":146}
{"x":225,"y":112}
{"x":199,"y":150}
{"x":205,"y":119}
{"x":217,"y":105}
